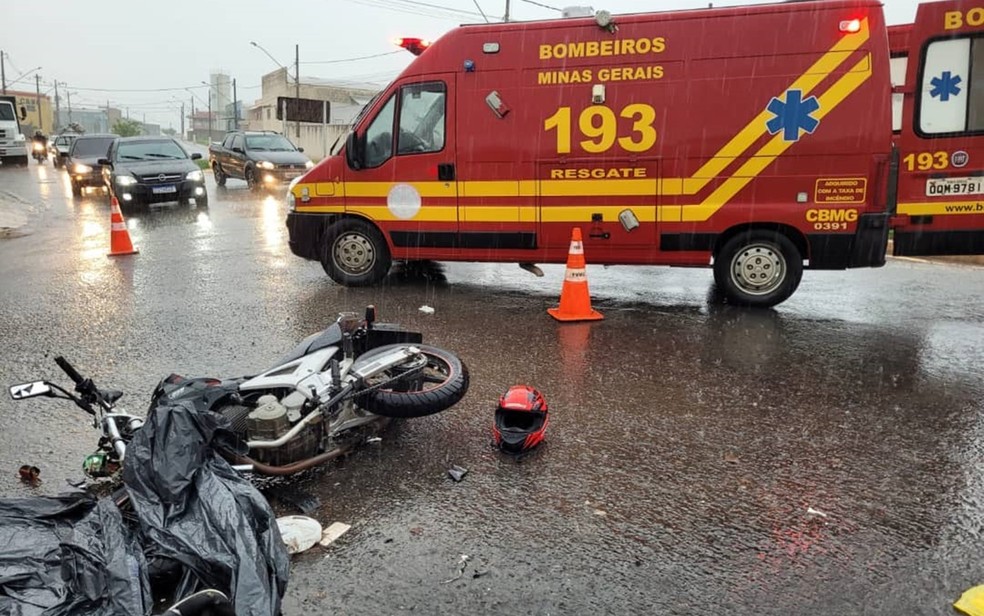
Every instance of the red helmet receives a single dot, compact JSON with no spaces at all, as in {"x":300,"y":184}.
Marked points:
{"x":520,"y":419}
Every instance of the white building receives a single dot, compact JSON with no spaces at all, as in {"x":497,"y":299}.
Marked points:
{"x":345,"y":100}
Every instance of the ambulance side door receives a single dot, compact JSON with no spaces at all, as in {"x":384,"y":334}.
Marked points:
{"x":941,"y":146}
{"x":406,"y":180}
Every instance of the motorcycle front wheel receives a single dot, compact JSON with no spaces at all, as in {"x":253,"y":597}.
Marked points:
{"x":430,"y":382}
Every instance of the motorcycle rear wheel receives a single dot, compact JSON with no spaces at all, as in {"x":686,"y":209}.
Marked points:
{"x":437,"y":380}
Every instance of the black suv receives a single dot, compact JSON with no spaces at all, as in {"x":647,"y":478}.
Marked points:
{"x":144,"y":170}
{"x":82,"y":161}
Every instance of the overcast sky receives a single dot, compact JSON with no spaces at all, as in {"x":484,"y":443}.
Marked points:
{"x":128,"y":45}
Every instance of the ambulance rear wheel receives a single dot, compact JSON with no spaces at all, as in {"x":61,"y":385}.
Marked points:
{"x":355,"y":253}
{"x":758,"y":269}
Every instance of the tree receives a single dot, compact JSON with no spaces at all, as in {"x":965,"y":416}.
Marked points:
{"x":127,"y":128}
{"x":170,"y":132}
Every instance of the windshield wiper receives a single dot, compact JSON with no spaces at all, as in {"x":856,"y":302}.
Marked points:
{"x":156,"y":155}
{"x":128,"y":157}
{"x":258,"y":149}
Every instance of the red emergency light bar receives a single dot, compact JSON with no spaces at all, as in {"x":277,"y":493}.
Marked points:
{"x":416,"y":46}
{"x":850,"y":26}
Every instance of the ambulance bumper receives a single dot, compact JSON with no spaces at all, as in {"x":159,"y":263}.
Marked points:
{"x":866,"y":248}
{"x":304,"y":234}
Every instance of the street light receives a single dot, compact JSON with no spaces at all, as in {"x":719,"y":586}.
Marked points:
{"x":260,"y":47}
{"x":24,"y":74}
{"x":297,"y":78}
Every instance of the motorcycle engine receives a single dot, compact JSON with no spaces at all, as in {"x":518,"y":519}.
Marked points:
{"x":269,"y":421}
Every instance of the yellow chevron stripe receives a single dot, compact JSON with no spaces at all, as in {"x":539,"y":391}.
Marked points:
{"x":776,"y":146}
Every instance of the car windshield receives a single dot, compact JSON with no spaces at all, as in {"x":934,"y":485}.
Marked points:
{"x":7,"y":112}
{"x":268,"y":143}
{"x":64,"y":140}
{"x":91,"y":147}
{"x":150,"y":150}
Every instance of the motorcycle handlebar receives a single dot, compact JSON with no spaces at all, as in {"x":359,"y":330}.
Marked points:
{"x":69,"y":370}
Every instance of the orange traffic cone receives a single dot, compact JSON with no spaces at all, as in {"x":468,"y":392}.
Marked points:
{"x":575,"y":301}
{"x":119,"y":237}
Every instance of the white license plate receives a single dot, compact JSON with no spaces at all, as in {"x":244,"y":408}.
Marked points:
{"x":164,"y":190}
{"x":954,"y":186}
{"x":290,"y":175}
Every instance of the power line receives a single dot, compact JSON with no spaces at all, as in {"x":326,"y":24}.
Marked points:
{"x":138,"y":89}
{"x":546,"y":6}
{"x":419,"y":8}
{"x":479,"y":7}
{"x":377,"y":55}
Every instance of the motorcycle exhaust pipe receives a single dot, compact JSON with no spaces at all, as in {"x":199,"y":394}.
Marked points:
{"x":290,"y":469}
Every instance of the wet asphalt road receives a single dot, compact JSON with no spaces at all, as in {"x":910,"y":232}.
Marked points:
{"x":687,"y":441}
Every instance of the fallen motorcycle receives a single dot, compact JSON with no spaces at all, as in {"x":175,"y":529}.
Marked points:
{"x":304,"y":411}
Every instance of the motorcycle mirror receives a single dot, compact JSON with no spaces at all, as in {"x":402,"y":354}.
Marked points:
{"x":30,"y":390}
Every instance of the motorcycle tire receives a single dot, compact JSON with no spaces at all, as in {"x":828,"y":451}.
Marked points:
{"x":445,"y":372}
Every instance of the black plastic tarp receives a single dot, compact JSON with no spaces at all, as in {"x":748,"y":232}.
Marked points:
{"x":194,"y":509}
{"x":69,"y":555}
{"x":199,"y":522}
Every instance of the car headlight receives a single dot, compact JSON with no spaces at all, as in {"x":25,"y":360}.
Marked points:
{"x":80,"y":168}
{"x":309,"y":164}
{"x":265,"y":164}
{"x":126,"y":180}
{"x":195,"y":176}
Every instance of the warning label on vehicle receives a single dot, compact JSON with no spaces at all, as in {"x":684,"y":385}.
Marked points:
{"x":841,"y":190}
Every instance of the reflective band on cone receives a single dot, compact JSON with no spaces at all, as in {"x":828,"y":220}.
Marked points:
{"x":575,"y":300}
{"x":119,"y":236}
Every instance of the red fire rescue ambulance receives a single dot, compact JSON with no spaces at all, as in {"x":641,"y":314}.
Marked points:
{"x":758,"y":139}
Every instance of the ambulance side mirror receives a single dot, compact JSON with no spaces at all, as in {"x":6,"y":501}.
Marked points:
{"x":353,"y":151}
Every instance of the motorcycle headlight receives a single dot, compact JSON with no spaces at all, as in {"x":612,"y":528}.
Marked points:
{"x":195,"y":176}
{"x":126,"y":180}
{"x":265,"y":164}
{"x":38,"y":147}
{"x":309,"y":164}
{"x":80,"y":168}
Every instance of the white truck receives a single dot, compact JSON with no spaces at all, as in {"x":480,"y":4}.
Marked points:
{"x":13,"y":144}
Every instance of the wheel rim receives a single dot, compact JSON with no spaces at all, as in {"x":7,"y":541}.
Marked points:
{"x":354,"y":253}
{"x":429,"y":372}
{"x":758,"y":269}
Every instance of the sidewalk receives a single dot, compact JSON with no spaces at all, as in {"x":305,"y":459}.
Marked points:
{"x":968,"y":260}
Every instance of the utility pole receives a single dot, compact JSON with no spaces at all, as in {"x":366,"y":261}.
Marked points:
{"x":37,"y":83}
{"x":210,"y":119}
{"x":69,"y":95}
{"x":57,"y":109}
{"x":297,"y":82}
{"x":191,"y":130}
{"x":506,"y":16}
{"x":3,"y":73}
{"x":235,"y":105}
{"x":182,"y":120}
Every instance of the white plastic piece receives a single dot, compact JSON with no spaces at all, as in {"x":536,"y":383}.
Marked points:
{"x":427,"y":310}
{"x":598,"y":93}
{"x":299,"y":532}
{"x":333,"y":532}
{"x":812,"y":511}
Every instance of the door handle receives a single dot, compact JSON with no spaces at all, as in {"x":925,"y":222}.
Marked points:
{"x":445,"y":172}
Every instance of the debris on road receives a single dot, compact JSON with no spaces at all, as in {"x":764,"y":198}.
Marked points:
{"x":299,"y":532}
{"x":374,"y":439}
{"x":427,"y":309}
{"x":731,"y":458}
{"x":457,"y":473}
{"x":812,"y":511}
{"x":333,"y":532}
{"x":971,"y":602}
{"x":462,"y":564}
{"x":30,"y":474}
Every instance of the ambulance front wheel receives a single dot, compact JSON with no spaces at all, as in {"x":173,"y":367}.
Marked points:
{"x":355,"y":253}
{"x":758,"y":269}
